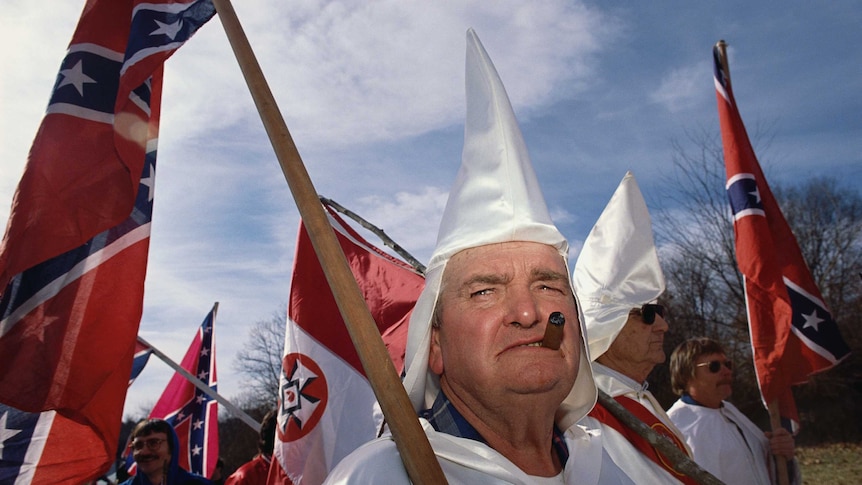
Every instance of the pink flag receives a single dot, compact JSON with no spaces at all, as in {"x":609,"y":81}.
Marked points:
{"x":192,"y":412}
{"x":326,"y":405}
{"x":793,"y":333}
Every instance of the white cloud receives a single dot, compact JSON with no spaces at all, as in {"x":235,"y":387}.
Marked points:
{"x":683,"y":87}
{"x":352,"y":72}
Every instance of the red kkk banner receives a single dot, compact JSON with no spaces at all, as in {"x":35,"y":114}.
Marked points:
{"x":326,"y":405}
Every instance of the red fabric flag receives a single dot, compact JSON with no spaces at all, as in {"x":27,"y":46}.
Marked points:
{"x":73,"y":260}
{"x":326,"y":405}
{"x":67,"y":340}
{"x":192,"y":412}
{"x":82,"y":172}
{"x":793,"y":333}
{"x":24,"y":436}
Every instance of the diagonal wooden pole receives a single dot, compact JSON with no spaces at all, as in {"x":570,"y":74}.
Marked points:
{"x":679,"y":460}
{"x":419,"y":460}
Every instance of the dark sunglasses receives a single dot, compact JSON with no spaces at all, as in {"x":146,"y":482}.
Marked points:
{"x":715,"y":365}
{"x":648,"y":311}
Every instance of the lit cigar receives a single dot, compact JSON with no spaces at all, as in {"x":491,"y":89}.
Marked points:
{"x":554,"y":331}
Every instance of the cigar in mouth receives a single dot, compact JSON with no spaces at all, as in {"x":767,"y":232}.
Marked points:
{"x":554,"y":331}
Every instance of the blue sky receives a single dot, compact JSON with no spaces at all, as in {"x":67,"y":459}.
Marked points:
{"x":373,"y":94}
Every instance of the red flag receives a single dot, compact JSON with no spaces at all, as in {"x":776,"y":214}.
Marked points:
{"x":24,"y":436}
{"x":326,"y":405}
{"x":192,"y":412}
{"x":83,"y":169}
{"x":73,"y":260}
{"x":793,"y":333}
{"x":67,"y":339}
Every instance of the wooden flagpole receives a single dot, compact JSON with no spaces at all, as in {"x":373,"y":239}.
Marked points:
{"x":780,"y":461}
{"x":679,"y":460}
{"x":419,"y":460}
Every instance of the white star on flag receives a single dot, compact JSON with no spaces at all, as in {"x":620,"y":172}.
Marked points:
{"x":5,"y":433}
{"x":150,"y":182}
{"x":812,"y":321}
{"x":76,"y":77}
{"x":756,"y":194}
{"x":169,"y":30}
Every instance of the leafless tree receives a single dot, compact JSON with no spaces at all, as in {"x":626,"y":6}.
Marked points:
{"x":260,"y":360}
{"x":705,"y":292}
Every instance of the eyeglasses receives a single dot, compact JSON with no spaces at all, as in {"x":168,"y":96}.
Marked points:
{"x":715,"y":365}
{"x":151,"y":444}
{"x":648,"y":311}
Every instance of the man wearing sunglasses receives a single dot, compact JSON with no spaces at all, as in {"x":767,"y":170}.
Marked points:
{"x":618,"y":280}
{"x":722,"y":439}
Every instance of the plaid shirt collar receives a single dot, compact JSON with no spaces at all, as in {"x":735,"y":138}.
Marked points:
{"x":444,"y":418}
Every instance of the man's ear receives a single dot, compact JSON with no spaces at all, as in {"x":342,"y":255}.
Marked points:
{"x":435,"y":356}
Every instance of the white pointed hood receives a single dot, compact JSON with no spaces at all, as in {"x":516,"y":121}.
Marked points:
{"x":618,"y":268}
{"x":495,"y":198}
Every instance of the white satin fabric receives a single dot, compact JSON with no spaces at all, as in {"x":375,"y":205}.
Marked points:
{"x":618,"y":268}
{"x":594,"y":459}
{"x":496,"y":198}
{"x":724,"y":442}
{"x":615,"y":384}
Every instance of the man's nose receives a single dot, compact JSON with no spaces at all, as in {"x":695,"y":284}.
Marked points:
{"x":523,"y":308}
{"x":660,"y":324}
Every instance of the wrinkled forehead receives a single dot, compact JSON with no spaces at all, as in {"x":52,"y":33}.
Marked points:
{"x":499,"y":260}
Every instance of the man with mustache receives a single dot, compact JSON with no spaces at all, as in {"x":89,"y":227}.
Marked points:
{"x":156,"y":453}
{"x":722,"y":439}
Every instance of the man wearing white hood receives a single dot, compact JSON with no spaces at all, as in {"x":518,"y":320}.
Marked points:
{"x":618,"y":279}
{"x":496,"y":405}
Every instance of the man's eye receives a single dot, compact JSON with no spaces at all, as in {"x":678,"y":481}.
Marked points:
{"x":482,"y":292}
{"x":550,"y":288}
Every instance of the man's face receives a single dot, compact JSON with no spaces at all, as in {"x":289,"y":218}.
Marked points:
{"x":496,"y":300}
{"x":707,"y":387}
{"x":638,"y":348}
{"x":151,"y":452}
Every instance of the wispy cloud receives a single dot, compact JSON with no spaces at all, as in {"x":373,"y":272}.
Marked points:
{"x":683,"y":87}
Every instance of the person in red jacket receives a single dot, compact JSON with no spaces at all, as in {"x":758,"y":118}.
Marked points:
{"x":254,"y":472}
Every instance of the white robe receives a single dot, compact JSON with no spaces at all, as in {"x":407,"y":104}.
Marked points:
{"x":593,"y":459}
{"x":724,"y":442}
{"x":615,"y":384}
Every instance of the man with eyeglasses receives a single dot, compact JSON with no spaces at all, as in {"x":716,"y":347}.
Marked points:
{"x":155,"y":450}
{"x":618,"y":280}
{"x":722,"y":439}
